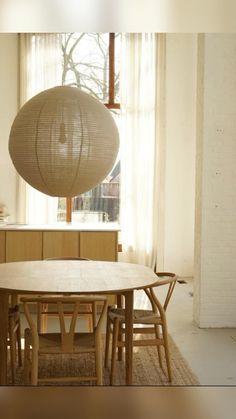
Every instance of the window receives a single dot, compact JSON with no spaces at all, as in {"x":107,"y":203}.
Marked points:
{"x":90,"y":61}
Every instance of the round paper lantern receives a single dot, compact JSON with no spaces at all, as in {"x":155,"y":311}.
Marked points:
{"x":63,"y":141}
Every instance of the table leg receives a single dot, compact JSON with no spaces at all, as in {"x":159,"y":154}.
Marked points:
{"x":3,"y":337}
{"x":129,"y":296}
{"x":119,"y":300}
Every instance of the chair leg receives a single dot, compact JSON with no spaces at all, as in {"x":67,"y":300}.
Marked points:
{"x":98,"y":363}
{"x":116,"y":326}
{"x":157,"y":333}
{"x":107,"y":343}
{"x":34,"y":367}
{"x":27,"y":361}
{"x":166,"y":349}
{"x":12,"y":339}
{"x":18,"y":335}
{"x":94,"y":313}
{"x":120,"y":304}
{"x":120,"y":348}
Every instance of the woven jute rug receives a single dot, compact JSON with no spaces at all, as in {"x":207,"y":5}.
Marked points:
{"x":146,"y":368}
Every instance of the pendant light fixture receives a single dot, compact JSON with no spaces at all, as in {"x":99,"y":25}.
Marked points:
{"x":63,"y":141}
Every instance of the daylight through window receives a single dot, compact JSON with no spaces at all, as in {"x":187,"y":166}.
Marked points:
{"x":91,"y":62}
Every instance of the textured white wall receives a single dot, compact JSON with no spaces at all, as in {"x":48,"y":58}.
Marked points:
{"x":179,"y":206}
{"x":215,"y":257}
{"x":8,"y":109}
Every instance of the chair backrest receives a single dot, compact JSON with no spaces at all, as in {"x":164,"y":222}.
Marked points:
{"x":166,"y":278}
{"x":60,"y":302}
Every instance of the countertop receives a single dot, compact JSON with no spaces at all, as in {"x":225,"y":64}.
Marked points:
{"x":60,"y":226}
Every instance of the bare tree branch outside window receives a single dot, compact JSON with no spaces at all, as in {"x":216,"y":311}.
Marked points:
{"x":87,"y":63}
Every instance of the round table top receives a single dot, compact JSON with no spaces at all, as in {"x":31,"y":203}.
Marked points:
{"x":72,"y":276}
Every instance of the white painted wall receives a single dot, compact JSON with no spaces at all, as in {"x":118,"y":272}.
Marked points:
{"x":215,"y":261}
{"x":180,"y":132}
{"x":8,"y":110}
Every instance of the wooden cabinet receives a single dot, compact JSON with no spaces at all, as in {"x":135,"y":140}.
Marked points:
{"x":60,"y":244}
{"x":98,"y":245}
{"x":18,"y":245}
{"x":2,"y":246}
{"x":23,"y":245}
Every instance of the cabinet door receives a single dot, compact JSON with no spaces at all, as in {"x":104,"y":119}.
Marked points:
{"x":99,"y":245}
{"x":60,"y":244}
{"x":23,"y":245}
{"x":2,"y":246}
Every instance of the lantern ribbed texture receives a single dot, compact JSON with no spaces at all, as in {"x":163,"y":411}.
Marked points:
{"x":63,"y":141}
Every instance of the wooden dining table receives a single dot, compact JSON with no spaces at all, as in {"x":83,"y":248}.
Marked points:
{"x":72,"y":277}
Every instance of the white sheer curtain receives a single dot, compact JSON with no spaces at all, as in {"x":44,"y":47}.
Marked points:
{"x":142,"y":149}
{"x":40,"y":68}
